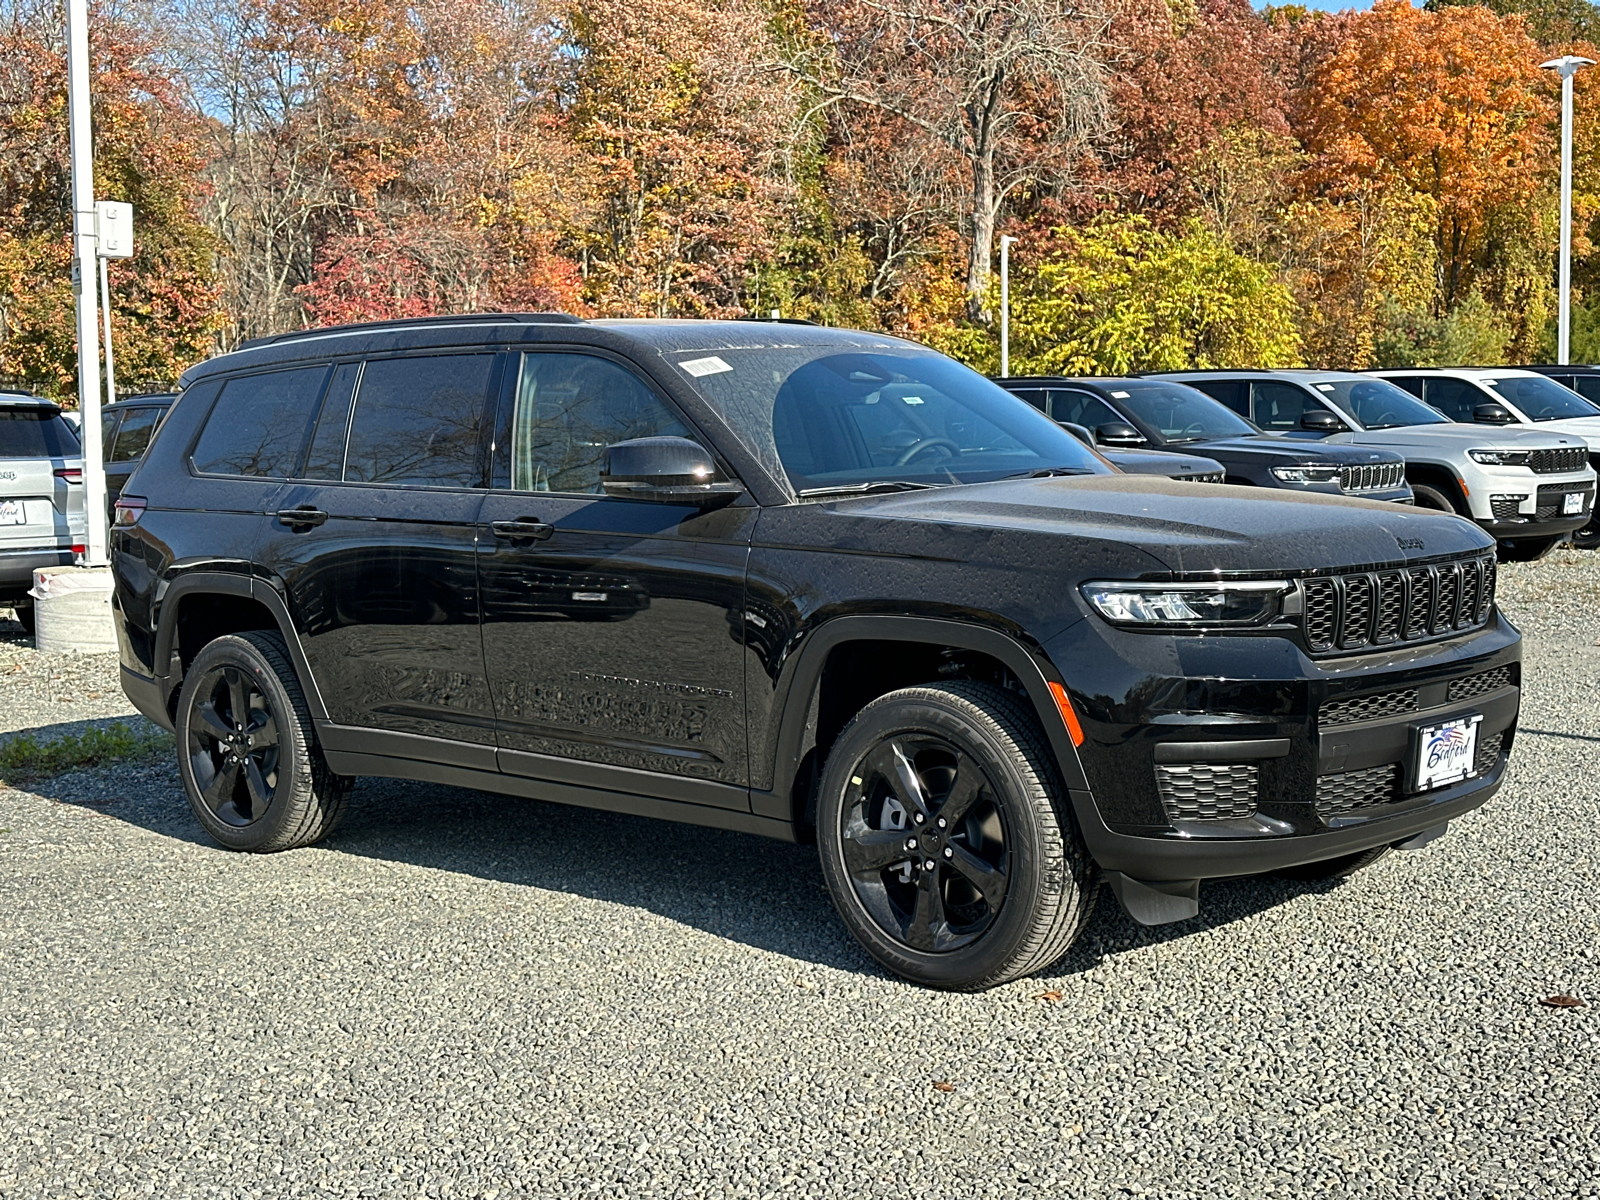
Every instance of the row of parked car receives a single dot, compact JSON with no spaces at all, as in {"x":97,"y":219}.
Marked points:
{"x":1509,"y":448}
{"x":831,"y":586}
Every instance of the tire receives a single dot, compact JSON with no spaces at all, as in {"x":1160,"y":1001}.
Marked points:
{"x":1428,"y":497}
{"x":1334,"y":868}
{"x":1528,"y":549}
{"x":900,"y":766}
{"x":1588,"y":538}
{"x":26,"y":616}
{"x":286,"y":795}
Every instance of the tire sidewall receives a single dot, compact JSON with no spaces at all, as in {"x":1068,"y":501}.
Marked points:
{"x":999,"y":945}
{"x":1437,"y":501}
{"x":264,"y":833}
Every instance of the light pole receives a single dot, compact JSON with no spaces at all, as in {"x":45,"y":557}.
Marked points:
{"x":1005,"y":305}
{"x":1566,"y":66}
{"x":85,"y":244}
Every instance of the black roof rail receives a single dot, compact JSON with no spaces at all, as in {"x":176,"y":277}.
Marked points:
{"x":778,"y":320}
{"x":538,"y":318}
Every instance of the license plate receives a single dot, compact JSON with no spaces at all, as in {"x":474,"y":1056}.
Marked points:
{"x":1445,"y":752}
{"x":1572,"y":504}
{"x":11,"y":513}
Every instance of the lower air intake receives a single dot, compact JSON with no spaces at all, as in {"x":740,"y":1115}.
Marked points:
{"x":1208,"y":791}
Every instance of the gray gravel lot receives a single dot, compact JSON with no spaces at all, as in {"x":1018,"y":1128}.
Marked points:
{"x":463,"y":995}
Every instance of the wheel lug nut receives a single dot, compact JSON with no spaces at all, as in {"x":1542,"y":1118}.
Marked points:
{"x":929,"y":865}
{"x":918,"y":818}
{"x":941,"y":822}
{"x":949,"y":853}
{"x":911,"y":843}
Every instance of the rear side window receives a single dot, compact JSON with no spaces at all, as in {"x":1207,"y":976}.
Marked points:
{"x":1587,"y":386}
{"x":419,"y":420}
{"x":35,"y":433}
{"x":134,"y":436}
{"x":258,"y":425}
{"x":1231,"y":392}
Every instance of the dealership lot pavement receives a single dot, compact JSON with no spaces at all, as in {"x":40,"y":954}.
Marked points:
{"x":463,"y":995}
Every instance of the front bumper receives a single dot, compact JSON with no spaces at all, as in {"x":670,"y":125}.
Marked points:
{"x":1297,"y":759}
{"x":17,"y":567}
{"x":1534,"y":510}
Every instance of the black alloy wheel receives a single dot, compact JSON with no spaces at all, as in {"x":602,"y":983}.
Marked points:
{"x":247,"y":750}
{"x":233,"y":746}
{"x":1588,"y":538}
{"x":947,"y":840}
{"x":925,"y":843}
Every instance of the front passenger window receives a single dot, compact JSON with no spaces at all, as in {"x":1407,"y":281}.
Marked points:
{"x":1455,"y":398}
{"x":1279,"y":405}
{"x":570,"y":407}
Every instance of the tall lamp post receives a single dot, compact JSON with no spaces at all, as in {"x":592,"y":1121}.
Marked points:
{"x":1566,"y":66}
{"x":85,"y":244}
{"x":1005,"y":305}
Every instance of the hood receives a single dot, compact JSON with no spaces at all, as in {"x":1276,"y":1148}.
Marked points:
{"x":1170,"y":463}
{"x":1284,"y":450}
{"x":1454,"y":435}
{"x":1587,"y":428}
{"x":1192,"y":529}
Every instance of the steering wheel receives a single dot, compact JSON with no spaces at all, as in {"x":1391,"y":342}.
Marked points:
{"x":917,"y":448}
{"x":1196,"y":429}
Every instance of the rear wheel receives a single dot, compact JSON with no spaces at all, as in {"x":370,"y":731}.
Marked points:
{"x":1334,"y":868}
{"x":26,"y":617}
{"x":946,"y":839}
{"x":247,"y":750}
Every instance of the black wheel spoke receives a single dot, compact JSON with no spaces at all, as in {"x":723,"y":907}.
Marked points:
{"x":238,"y":698}
{"x":869,"y":851}
{"x":964,"y":789}
{"x":215,"y":726}
{"x":263,"y":730}
{"x":987,"y":878}
{"x":260,"y":789}
{"x":928,"y":920}
{"x":891,"y":761}
{"x":220,"y":790}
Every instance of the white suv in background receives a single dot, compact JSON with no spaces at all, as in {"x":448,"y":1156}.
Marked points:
{"x":1529,"y":488}
{"x":41,"y":496}
{"x":1508,"y":396}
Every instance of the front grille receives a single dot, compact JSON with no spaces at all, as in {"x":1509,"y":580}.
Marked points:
{"x":1505,"y":508}
{"x":1550,"y":495}
{"x":1488,"y":754}
{"x":1202,"y":477}
{"x":1480,"y":684}
{"x":1351,"y":612}
{"x":1207,"y":791}
{"x":1367,"y":708}
{"x":1567,"y":458}
{"x":1372,"y":477}
{"x":1350,"y":790}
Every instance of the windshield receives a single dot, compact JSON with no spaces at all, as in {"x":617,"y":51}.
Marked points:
{"x":840,"y":416}
{"x":1179,"y":413}
{"x":35,"y":433}
{"x":1541,"y":399}
{"x":1378,"y":404}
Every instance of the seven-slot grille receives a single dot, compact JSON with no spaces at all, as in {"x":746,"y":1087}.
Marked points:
{"x":1566,"y":458}
{"x":1351,"y":612}
{"x":1550,"y":496}
{"x":1207,"y":791}
{"x":1372,"y":477}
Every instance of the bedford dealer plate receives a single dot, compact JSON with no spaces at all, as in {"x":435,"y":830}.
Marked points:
{"x":11,"y":513}
{"x":1445,"y":752}
{"x":1571,"y":504}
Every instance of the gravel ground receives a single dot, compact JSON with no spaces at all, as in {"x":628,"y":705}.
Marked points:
{"x":461,"y":995}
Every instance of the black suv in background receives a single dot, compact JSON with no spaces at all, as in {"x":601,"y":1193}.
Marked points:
{"x":799,"y":582}
{"x":1157,"y":415}
{"x":126,"y":428}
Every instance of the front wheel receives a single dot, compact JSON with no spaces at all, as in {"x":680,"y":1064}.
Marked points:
{"x":1588,"y":538}
{"x":1528,"y":549}
{"x":247,"y":750}
{"x":946,"y":839}
{"x":1424,"y":496}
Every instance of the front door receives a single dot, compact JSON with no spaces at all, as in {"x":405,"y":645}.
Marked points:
{"x":376,"y":546}
{"x":611,"y":627}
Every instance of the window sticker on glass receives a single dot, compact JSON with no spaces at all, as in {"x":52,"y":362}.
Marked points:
{"x":1324,"y":387}
{"x":701,"y":367}
{"x":911,"y":399}
{"x":1120,"y":395}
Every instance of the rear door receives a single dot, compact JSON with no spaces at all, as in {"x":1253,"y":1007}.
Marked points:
{"x":613,"y":628}
{"x":375,"y":547}
{"x":41,"y":479}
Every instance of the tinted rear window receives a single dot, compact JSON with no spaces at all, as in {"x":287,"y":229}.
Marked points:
{"x":418,"y":421}
{"x":259,"y":424}
{"x":35,"y":433}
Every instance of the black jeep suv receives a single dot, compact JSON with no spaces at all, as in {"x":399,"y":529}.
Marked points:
{"x":798,"y":582}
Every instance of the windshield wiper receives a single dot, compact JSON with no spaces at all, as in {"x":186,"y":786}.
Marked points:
{"x":1048,"y":473}
{"x":865,"y":489}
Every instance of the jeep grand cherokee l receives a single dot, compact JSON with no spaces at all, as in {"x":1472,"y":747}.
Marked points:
{"x":799,"y":582}
{"x":41,"y":496}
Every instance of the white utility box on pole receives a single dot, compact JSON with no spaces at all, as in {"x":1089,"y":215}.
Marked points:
{"x":114,"y":223}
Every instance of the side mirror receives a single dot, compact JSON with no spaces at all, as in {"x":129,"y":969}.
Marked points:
{"x":1081,"y":432}
{"x":665,"y":470}
{"x":1118,"y":433}
{"x":1490,"y":413}
{"x":1320,"y":420}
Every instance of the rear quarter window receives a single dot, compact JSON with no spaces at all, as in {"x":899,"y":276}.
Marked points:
{"x":36,"y":433}
{"x":258,"y":425}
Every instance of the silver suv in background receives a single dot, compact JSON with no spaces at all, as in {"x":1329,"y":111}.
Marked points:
{"x":1530,"y":488}
{"x":41,"y":496}
{"x":1510,"y":396}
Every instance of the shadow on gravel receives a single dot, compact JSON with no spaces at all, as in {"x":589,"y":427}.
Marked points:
{"x":751,"y":890}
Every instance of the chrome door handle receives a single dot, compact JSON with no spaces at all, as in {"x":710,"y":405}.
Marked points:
{"x":523,"y":529}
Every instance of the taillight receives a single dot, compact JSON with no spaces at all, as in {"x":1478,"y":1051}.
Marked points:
{"x":70,"y":474}
{"x":127,"y":511}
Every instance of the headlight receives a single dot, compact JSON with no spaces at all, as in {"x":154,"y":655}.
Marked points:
{"x":1307,"y":473}
{"x":1186,"y":604}
{"x":1500,"y":458}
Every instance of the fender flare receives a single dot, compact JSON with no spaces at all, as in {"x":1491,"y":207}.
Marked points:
{"x":804,"y":671}
{"x":243,"y":586}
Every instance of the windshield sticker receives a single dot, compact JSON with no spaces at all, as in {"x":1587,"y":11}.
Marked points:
{"x":699,"y":367}
{"x":1324,"y":387}
{"x":1120,"y":395}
